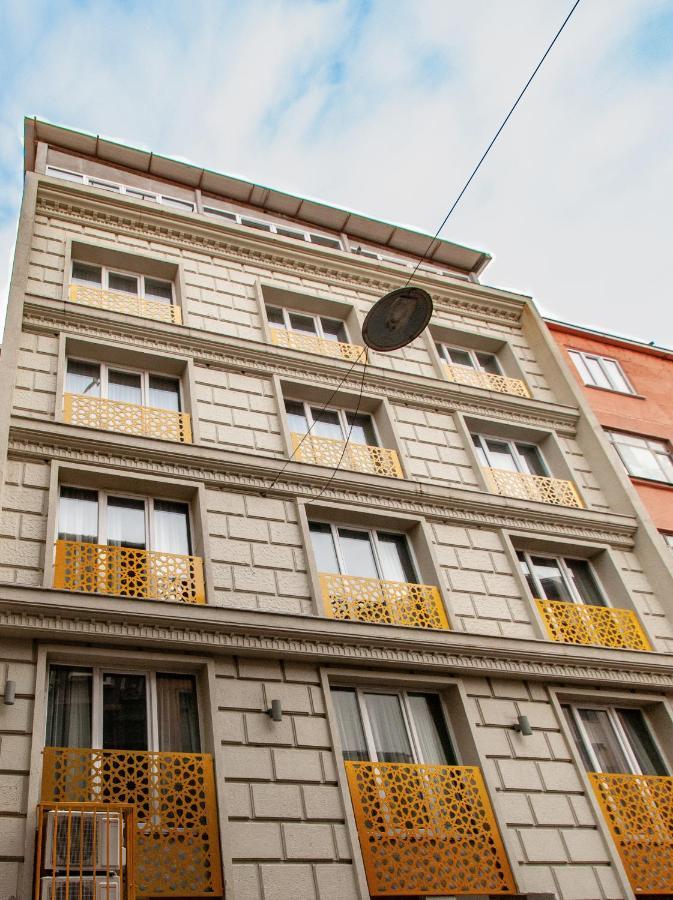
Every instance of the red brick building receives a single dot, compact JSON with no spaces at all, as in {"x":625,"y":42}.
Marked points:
{"x":629,"y":386}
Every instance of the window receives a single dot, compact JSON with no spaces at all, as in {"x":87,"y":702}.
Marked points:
{"x":643,"y":457}
{"x":296,"y":234}
{"x":472,"y":359}
{"x":165,"y":199}
{"x":113,"y":709}
{"x":156,"y":289}
{"x":337,"y":424}
{"x":96,"y":517}
{"x":600,"y":371}
{"x":614,"y":740}
{"x":94,"y":379}
{"x":560,"y":578}
{"x":396,"y":727}
{"x":362,"y":553}
{"x":304,"y":323}
{"x":370,"y":253}
{"x":512,"y":456}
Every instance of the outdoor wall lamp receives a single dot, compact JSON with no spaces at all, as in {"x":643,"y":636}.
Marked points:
{"x":10,"y":693}
{"x":275,"y":711}
{"x":523,"y":726}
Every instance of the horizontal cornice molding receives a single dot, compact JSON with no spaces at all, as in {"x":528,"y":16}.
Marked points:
{"x":40,"y":613}
{"x":230,"y":354}
{"x":215,"y":467}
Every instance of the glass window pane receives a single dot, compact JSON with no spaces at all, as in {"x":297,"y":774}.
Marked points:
{"x":171,"y":527}
{"x":254,"y":223}
{"x":64,"y":174}
{"x":500,"y":455}
{"x":177,"y":712}
{"x":527,"y":574}
{"x":304,"y":324}
{"x":357,"y":553}
{"x":82,"y":378}
{"x":642,"y":744}
{"x":290,"y":233}
{"x":164,"y":393}
{"x":127,"y":284}
{"x":350,"y":724}
{"x":531,"y":459}
{"x":274,"y":317}
{"x":124,"y":712}
{"x":616,"y":376}
{"x":144,"y":195}
{"x":481,"y":456}
{"x":69,"y":707}
{"x":126,"y":523}
{"x":598,"y":376}
{"x":640,"y":461}
{"x":488,"y":363}
{"x":325,"y":241}
{"x":124,"y":386}
{"x":323,"y":548}
{"x":178,"y":204}
{"x":361,"y":429}
{"x":296,"y":417}
{"x":584,"y":581}
{"x":327,"y":424}
{"x":460,"y":357}
{"x":579,"y":740}
{"x":82,"y":273}
{"x":433,"y":738}
{"x":159,"y":290}
{"x":578,"y":361}
{"x":78,"y":515}
{"x":395,"y":558}
{"x":389,"y":730}
{"x":106,"y":185}
{"x":604,"y":741}
{"x":334,"y":330}
{"x":550,"y":576}
{"x":223,"y":213}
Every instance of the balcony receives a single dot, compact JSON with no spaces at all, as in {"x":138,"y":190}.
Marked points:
{"x":601,"y":626}
{"x":540,"y":488}
{"x":176,"y":838}
{"x":427,"y":830}
{"x":311,"y":343}
{"x":127,"y":572}
{"x":358,"y":457}
{"x":382,"y":602}
{"x":128,"y":304}
{"x":127,"y":418}
{"x":486,"y":380}
{"x":639,"y":812}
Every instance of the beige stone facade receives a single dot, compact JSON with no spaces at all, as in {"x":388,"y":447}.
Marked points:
{"x":287,"y":826}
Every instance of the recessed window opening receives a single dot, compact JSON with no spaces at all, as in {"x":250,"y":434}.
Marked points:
{"x":471,"y":359}
{"x":560,"y":578}
{"x":337,"y":424}
{"x":600,"y":371}
{"x":643,"y":457}
{"x":297,"y":234}
{"x":512,"y":456}
{"x":362,"y":553}
{"x":93,"y":379}
{"x":117,"y":187}
{"x":121,"y":282}
{"x":304,"y":323}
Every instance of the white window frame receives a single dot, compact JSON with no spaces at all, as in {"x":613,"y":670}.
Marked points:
{"x":145,"y":375}
{"x":371,"y":253}
{"x":668,"y":538}
{"x":565,"y":574}
{"x":514,"y":452}
{"x":656,"y":446}
{"x":585,"y":372}
{"x":372,"y":533}
{"x":289,"y":231}
{"x":119,"y":188}
{"x":150,"y":529}
{"x":620,"y":734}
{"x":343,"y":420}
{"x":106,"y":271}
{"x":287,"y":312}
{"x":445,"y":350}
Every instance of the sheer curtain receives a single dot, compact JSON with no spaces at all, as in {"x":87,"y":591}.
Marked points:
{"x":124,"y":386}
{"x":323,"y":548}
{"x":350,"y":724}
{"x":69,"y":707}
{"x":164,"y":393}
{"x":395,"y":558}
{"x":171,"y":527}
{"x":388,"y":728}
{"x":82,"y":378}
{"x":126,"y":523}
{"x":78,"y":515}
{"x":433,"y":738}
{"x":178,"y":714}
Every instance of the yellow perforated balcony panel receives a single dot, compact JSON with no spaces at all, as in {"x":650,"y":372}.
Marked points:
{"x":602,"y":626}
{"x":383,"y":602}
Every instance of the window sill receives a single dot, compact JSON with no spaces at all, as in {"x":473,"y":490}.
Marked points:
{"x":604,"y":390}
{"x":651,"y":482}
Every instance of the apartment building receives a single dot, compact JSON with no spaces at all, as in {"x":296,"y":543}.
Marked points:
{"x":446,"y":671}
{"x":628,"y":386}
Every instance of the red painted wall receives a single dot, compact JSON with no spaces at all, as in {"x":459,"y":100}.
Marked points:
{"x":649,"y":413}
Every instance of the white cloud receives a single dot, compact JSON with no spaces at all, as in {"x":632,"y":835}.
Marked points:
{"x":385,"y":106}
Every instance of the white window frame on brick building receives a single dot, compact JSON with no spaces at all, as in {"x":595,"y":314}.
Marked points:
{"x":564,"y":565}
{"x":601,"y":371}
{"x":656,"y":454}
{"x":340,"y":334}
{"x":100,"y":387}
{"x":516,"y":451}
{"x":377,"y":555}
{"x":119,"y":188}
{"x":347,"y":422}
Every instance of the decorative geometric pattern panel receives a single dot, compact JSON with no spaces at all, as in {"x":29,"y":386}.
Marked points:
{"x":427,"y":830}
{"x":177,"y":850}
{"x":127,"y":418}
{"x":358,"y":457}
{"x":575,"y":623}
{"x":383,"y":602}
{"x":314,"y":344}
{"x":125,"y":303}
{"x":639,"y":812}
{"x":127,"y":572}
{"x":532,"y":487}
{"x":500,"y":383}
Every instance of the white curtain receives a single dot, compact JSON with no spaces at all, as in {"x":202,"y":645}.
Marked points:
{"x":389,"y":731}
{"x":350,"y":724}
{"x":78,"y":515}
{"x":171,"y":527}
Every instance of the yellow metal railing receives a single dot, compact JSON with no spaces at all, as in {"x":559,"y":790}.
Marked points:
{"x":639,"y":812}
{"x":490,"y":382}
{"x":358,"y":457}
{"x":127,"y":418}
{"x":177,"y":848}
{"x":577,"y":623}
{"x":382,"y":602}
{"x":427,"y":830}
{"x":127,"y":572}
{"x":532,"y":487}
{"x":129,"y":304}
{"x":296,"y":340}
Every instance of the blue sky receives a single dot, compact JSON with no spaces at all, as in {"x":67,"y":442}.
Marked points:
{"x":384,"y":106}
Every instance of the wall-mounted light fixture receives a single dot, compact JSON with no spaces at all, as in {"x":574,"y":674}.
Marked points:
{"x":523,"y":726}
{"x":10,"y":693}
{"x":275,"y":711}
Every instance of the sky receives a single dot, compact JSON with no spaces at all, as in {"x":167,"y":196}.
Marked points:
{"x":384,"y":107}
